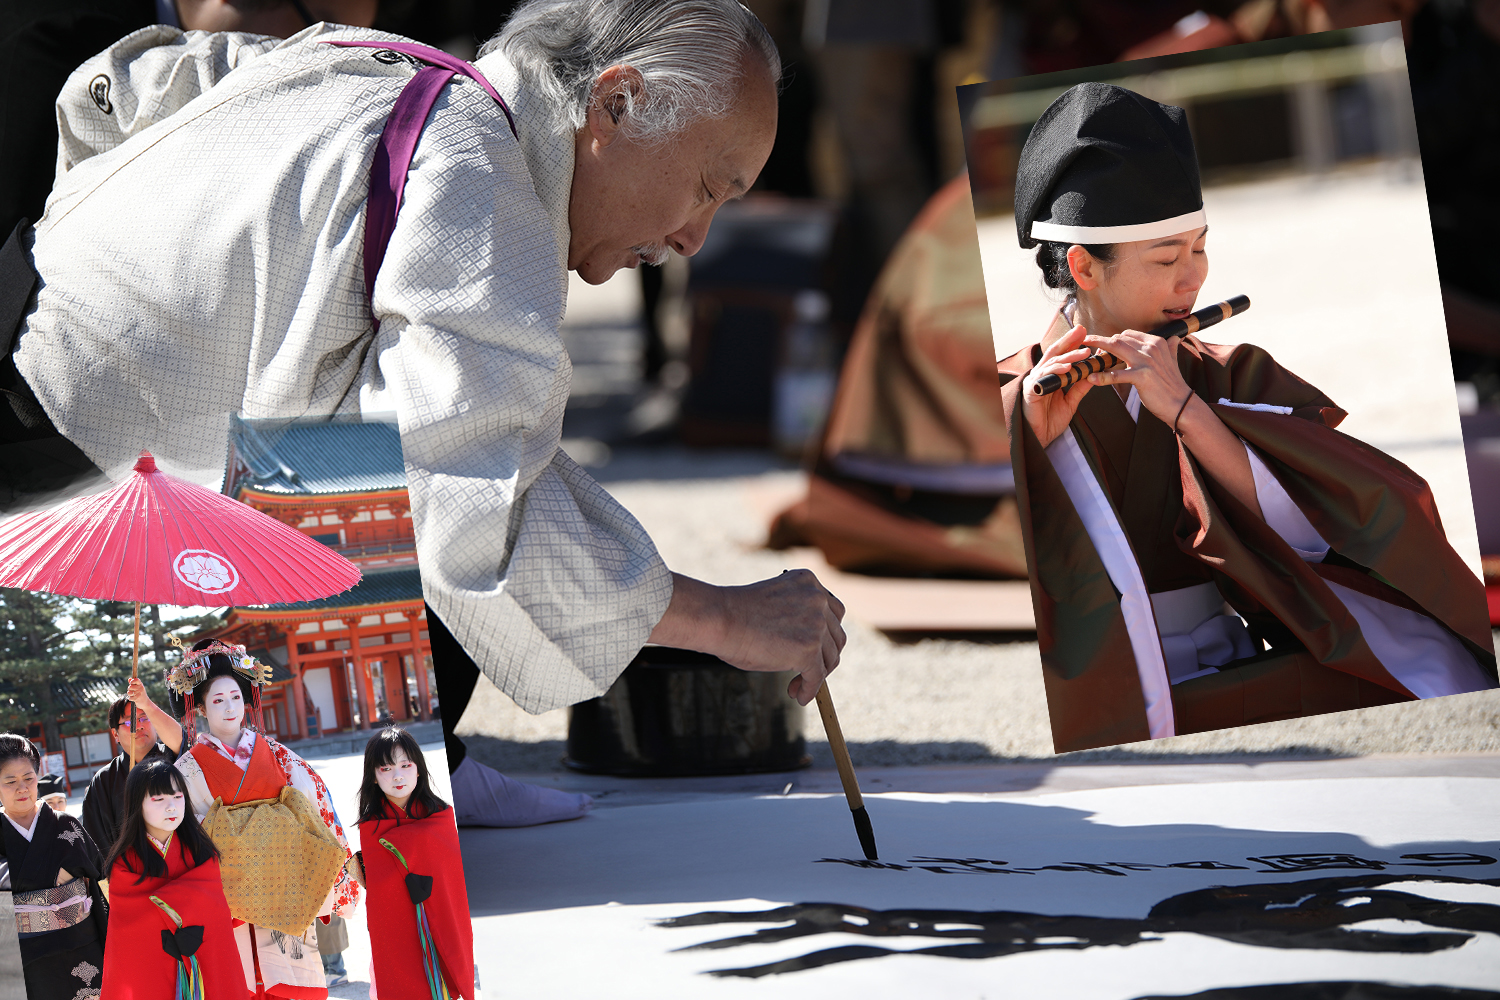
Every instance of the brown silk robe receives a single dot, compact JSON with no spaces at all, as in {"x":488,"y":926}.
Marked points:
{"x":1377,"y":516}
{"x":916,"y":385}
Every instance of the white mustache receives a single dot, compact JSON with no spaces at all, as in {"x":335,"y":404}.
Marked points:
{"x":655,"y":254}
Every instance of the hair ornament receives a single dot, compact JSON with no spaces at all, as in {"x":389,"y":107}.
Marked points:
{"x":193,"y":668}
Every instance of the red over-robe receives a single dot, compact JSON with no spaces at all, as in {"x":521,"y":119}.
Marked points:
{"x":430,"y":847}
{"x":135,"y":966}
{"x":263,"y":779}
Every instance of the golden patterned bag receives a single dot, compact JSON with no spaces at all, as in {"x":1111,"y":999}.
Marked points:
{"x":278,"y":859}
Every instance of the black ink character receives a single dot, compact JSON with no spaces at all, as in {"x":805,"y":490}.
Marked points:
{"x":1315,"y":862}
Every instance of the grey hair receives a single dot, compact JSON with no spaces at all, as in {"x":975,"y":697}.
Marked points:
{"x":690,"y":54}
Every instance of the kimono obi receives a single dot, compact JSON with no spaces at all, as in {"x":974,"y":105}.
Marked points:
{"x":58,"y":908}
{"x":1199,"y":632}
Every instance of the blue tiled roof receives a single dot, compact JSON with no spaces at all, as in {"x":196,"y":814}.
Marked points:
{"x":79,"y":692}
{"x":337,"y":456}
{"x":279,"y":673}
{"x":375,"y":588}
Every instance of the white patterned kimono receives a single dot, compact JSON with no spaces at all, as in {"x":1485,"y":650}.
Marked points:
{"x":202,"y":252}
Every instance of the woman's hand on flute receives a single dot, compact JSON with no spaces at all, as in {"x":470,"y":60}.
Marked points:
{"x":1153,"y":371}
{"x":1050,"y":415}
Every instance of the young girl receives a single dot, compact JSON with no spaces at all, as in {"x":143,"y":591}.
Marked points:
{"x":54,"y":871}
{"x":1201,"y":474}
{"x":172,"y":933}
{"x":409,"y":856}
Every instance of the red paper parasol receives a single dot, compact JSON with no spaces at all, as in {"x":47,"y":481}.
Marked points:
{"x":156,"y":539}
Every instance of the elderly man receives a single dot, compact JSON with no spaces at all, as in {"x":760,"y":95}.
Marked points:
{"x":204,"y":254}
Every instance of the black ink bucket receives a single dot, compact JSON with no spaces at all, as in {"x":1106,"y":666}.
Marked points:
{"x":677,"y":713}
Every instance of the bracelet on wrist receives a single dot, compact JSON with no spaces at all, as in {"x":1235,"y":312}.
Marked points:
{"x":1186,"y":400}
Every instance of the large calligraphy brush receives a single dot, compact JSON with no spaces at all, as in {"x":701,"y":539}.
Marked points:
{"x":1104,"y":361}
{"x":846,"y":772}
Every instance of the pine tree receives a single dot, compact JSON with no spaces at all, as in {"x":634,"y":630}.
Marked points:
{"x":38,"y":648}
{"x":47,"y":642}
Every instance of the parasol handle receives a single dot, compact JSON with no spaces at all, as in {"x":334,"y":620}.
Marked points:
{"x":135,"y":668}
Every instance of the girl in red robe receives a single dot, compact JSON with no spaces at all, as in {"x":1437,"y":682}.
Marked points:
{"x":422,"y":943}
{"x":170,"y":935}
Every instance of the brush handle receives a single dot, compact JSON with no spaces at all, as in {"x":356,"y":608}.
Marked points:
{"x":840,"y":750}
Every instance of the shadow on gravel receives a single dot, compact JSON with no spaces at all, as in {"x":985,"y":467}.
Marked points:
{"x":546,"y":756}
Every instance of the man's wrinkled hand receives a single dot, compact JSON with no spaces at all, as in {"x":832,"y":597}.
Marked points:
{"x":789,"y":622}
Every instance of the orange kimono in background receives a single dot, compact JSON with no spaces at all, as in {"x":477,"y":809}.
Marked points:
{"x":430,"y":846}
{"x":136,"y":965}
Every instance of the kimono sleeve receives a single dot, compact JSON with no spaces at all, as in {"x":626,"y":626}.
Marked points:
{"x":138,"y":81}
{"x":549,"y":584}
{"x":343,"y":897}
{"x":92,"y":856}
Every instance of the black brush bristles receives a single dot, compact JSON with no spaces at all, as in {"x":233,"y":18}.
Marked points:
{"x":865,"y":831}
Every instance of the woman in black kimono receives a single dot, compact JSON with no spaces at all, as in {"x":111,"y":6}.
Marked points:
{"x":54,"y":871}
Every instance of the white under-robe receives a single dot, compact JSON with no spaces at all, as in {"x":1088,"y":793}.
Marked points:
{"x":202,"y":253}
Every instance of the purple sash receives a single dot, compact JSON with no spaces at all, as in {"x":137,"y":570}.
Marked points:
{"x":398,"y":143}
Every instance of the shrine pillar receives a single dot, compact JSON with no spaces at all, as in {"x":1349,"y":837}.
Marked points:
{"x":363,"y":682}
{"x":298,"y":708}
{"x":419,"y":666}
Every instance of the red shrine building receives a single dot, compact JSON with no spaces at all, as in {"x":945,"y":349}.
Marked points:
{"x":349,"y":661}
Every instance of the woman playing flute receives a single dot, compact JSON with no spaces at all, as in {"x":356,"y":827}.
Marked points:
{"x":1206,"y":551}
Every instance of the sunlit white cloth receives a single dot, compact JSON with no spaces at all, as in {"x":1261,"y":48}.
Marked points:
{"x":1109,"y":539}
{"x":202,"y":252}
{"x":1199,"y":632}
{"x":29,"y":830}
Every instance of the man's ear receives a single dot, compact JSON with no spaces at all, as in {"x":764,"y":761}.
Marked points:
{"x":1084,"y":268}
{"x":616,"y":92}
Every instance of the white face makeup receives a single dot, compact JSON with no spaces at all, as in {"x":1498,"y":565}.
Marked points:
{"x":224,"y":708}
{"x":18,"y":789}
{"x":398,"y":778}
{"x":163,"y":813}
